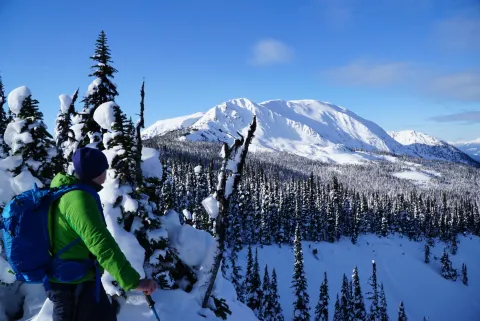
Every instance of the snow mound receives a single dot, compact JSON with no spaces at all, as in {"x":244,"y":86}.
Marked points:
{"x":151,"y":165}
{"x":16,"y":97}
{"x":211,"y":206}
{"x":65,"y":102}
{"x":104,"y":115}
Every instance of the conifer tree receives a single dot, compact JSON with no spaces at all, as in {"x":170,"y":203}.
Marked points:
{"x":100,"y":91}
{"x":454,"y":246}
{"x":359,"y":313}
{"x":448,"y":272}
{"x":382,"y":308}
{"x":123,"y":139}
{"x":253,"y":284}
{"x":33,"y":143}
{"x":346,"y":310}
{"x":427,"y":253}
{"x":236,"y":270}
{"x":373,"y":294}
{"x":321,"y":310}
{"x":464,"y":274}
{"x":4,"y":120}
{"x":401,"y":313}
{"x":201,"y":218}
{"x":338,"y":316}
{"x":276,"y":309}
{"x":301,"y":305}
{"x":64,"y":135}
{"x":267,"y":305}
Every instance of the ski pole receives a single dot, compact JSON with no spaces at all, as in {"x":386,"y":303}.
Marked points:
{"x":151,"y":305}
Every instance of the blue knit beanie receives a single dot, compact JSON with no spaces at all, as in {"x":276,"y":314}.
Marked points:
{"x":89,"y":163}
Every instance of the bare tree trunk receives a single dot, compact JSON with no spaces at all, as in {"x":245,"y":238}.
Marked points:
{"x":139,"y":126}
{"x":223,"y":196}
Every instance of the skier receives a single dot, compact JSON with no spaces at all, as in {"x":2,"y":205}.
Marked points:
{"x":79,"y":214}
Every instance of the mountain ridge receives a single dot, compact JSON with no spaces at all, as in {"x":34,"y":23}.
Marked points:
{"x":430,"y":147}
{"x":308,"y":128}
{"x":471,"y":148}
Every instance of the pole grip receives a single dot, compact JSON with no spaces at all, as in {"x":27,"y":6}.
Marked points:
{"x":150,"y":301}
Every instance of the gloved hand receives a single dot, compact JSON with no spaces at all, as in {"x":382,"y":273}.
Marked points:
{"x":148,"y":286}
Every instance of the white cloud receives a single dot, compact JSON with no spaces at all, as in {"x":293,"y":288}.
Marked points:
{"x":364,"y":73}
{"x":467,"y":117}
{"x":338,"y":12}
{"x":461,"y":86}
{"x":458,"y":85}
{"x":459,"y":32}
{"x":269,"y":52}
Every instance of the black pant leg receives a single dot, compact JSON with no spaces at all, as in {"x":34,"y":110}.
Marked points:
{"x":63,"y":298}
{"x":88,"y":309}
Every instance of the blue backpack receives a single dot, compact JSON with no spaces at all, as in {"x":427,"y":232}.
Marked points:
{"x":26,"y":238}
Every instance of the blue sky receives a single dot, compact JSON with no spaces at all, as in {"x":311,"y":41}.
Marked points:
{"x":410,"y":64}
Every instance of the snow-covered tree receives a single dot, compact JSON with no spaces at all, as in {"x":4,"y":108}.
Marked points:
{"x":338,"y":316}
{"x":346,"y":307}
{"x":321,"y":310}
{"x":4,"y":120}
{"x":301,"y":311}
{"x":448,"y":272}
{"x":427,"y":253}
{"x":236,"y":246}
{"x":63,"y":133}
{"x":200,"y":216}
{"x":382,"y":308}
{"x":276,"y":309}
{"x":373,"y":314}
{"x":100,"y":91}
{"x":401,"y":313}
{"x":359,"y":313}
{"x":267,"y":304}
{"x":454,"y":246}
{"x":253,"y":284}
{"x":28,"y":137}
{"x":464,"y":274}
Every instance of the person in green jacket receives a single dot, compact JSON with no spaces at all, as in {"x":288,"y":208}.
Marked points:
{"x":79,"y":214}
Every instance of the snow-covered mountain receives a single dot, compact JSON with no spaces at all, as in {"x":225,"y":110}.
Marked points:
{"x":471,"y":148}
{"x":307,"y":128}
{"x":163,"y":126}
{"x":430,"y":147}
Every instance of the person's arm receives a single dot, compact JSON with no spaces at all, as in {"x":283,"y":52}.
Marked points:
{"x":84,"y":217}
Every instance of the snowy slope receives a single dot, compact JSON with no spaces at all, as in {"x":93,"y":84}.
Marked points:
{"x":164,"y":126}
{"x":400,"y":267}
{"x":430,"y":147}
{"x":471,"y":148}
{"x":306,"y":128}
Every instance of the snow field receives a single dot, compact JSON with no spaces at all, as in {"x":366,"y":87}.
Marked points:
{"x":400,"y":266}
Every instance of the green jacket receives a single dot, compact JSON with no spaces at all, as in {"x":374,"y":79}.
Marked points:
{"x":77,"y":214}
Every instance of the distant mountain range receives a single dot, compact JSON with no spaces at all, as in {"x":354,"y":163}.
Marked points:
{"x":307,"y":128}
{"x":472,"y":148}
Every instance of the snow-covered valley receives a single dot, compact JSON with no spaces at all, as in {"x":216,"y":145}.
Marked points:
{"x":400,"y":267}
